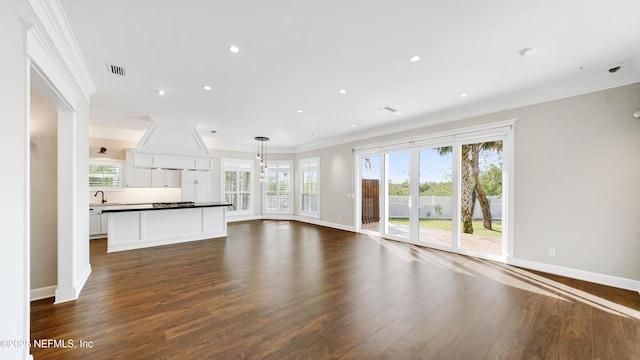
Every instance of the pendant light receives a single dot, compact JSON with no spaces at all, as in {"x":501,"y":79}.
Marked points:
{"x":262,"y":156}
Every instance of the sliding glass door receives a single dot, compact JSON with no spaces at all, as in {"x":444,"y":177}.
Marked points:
{"x":436,"y":196}
{"x":398,"y":195}
{"x":481,"y":197}
{"x":370,"y":192}
{"x":448,"y":194}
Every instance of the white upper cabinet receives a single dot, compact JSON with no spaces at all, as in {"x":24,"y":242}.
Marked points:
{"x":165,"y":178}
{"x":136,"y":177}
{"x":145,"y":177}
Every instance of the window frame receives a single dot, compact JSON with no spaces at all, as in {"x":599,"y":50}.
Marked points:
{"x":107,"y":162}
{"x":308,"y":164}
{"x":237,"y":166}
{"x":279,"y":165}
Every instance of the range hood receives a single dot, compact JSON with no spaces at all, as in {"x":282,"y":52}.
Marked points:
{"x":168,"y":145}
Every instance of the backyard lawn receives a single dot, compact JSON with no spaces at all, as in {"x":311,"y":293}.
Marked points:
{"x":445,"y":224}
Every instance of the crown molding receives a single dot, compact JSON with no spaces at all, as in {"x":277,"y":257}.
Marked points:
{"x":56,"y":25}
{"x":573,"y":87}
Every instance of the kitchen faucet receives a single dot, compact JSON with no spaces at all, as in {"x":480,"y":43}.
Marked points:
{"x":101,"y":192}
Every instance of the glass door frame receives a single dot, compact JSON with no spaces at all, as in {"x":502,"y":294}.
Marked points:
{"x":502,"y":130}
{"x":506,"y":244}
{"x":382,"y":223}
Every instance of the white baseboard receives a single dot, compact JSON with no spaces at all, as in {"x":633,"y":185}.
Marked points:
{"x":236,"y":218}
{"x":77,"y":287}
{"x":317,"y":221}
{"x":82,"y":280}
{"x":305,"y":219}
{"x":43,"y":292}
{"x":603,"y":279}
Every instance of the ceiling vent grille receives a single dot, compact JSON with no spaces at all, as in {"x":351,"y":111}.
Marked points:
{"x":117,"y":70}
{"x":389,"y":109}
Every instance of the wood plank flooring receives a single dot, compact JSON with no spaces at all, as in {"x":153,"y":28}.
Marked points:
{"x":289,"y":290}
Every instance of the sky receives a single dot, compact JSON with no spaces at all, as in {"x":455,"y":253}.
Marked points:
{"x":433,"y":167}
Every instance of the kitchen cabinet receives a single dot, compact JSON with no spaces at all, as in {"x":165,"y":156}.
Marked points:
{"x":196,"y":186}
{"x":144,"y":177}
{"x":94,"y":224}
{"x":98,"y":222}
{"x":104,"y":223}
{"x":165,"y":178}
{"x":146,"y":227}
{"x":136,"y":177}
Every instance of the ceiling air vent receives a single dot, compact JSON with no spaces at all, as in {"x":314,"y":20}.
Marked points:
{"x":117,"y":70}
{"x":389,"y":109}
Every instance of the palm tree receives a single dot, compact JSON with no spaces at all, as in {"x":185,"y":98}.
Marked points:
{"x":466,"y":190}
{"x":485,"y":204}
{"x":470,"y":183}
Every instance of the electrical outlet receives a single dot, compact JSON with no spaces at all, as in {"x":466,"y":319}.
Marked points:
{"x":552,"y":252}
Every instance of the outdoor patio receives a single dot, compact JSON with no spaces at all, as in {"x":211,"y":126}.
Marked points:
{"x":484,"y":244}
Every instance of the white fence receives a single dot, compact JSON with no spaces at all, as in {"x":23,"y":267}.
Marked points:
{"x":439,"y":207}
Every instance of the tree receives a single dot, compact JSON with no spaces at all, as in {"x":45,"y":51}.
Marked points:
{"x":470,"y":184}
{"x":401,"y":189}
{"x":485,"y":204}
{"x":491,"y":180}
{"x":466,"y":190}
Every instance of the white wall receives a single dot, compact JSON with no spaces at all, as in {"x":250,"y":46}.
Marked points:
{"x":82,"y":250}
{"x":336,"y":182}
{"x":44,"y":200}
{"x":585,"y":151}
{"x":14,"y":303}
{"x":18,"y":22}
{"x":582,"y":150}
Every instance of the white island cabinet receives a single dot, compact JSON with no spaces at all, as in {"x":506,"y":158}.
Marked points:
{"x":141,"y":226}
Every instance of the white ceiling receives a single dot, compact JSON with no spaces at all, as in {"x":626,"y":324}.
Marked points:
{"x":297,"y":55}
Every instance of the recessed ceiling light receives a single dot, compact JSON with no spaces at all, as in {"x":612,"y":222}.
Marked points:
{"x":299,"y":111}
{"x":206,"y":87}
{"x":397,"y":112}
{"x":234,"y":49}
{"x":463,"y":95}
{"x":414,"y":58}
{"x":342,"y":91}
{"x":354,"y":125}
{"x":160,"y":92}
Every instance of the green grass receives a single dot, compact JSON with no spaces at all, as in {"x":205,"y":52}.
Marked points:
{"x":445,"y":224}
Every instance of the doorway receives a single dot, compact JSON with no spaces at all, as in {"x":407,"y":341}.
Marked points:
{"x":448,"y":193}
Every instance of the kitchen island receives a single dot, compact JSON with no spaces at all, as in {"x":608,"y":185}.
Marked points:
{"x":144,"y":225}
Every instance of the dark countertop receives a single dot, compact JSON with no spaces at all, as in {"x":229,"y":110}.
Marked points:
{"x":160,"y":206}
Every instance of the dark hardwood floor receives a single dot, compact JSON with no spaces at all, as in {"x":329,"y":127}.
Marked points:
{"x":289,"y":290}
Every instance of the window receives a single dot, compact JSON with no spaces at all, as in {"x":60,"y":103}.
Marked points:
{"x":309,"y":171}
{"x":105,"y":174}
{"x":238,"y":189}
{"x":278,"y":197}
